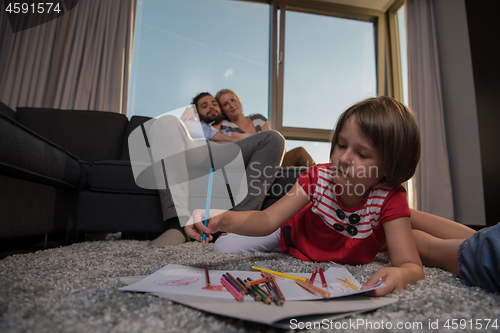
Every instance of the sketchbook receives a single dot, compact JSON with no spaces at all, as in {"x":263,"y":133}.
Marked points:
{"x":186,"y":285}
{"x":190,"y":281}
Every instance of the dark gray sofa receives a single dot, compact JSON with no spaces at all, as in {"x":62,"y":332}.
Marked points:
{"x":63,"y":170}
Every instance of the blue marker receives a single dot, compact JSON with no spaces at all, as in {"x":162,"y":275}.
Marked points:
{"x":207,"y":206}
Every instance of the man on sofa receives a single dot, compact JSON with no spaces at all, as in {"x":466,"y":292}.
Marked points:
{"x":261,"y":153}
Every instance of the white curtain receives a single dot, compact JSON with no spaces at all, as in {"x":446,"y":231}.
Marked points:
{"x":432,"y":180}
{"x":79,"y":61}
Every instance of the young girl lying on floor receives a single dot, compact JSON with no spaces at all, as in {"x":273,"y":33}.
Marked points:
{"x":347,"y":210}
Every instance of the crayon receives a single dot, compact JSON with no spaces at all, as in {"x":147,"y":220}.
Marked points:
{"x":236,"y":294}
{"x":256,"y":296}
{"x":255,"y":282}
{"x":313,"y":276}
{"x":323,"y":280}
{"x":207,"y":278}
{"x":272,"y":290}
{"x":288,"y":276}
{"x":278,"y":291}
{"x":242,"y":284}
{"x":279,"y":297}
{"x":224,"y":276}
{"x":313,"y":289}
{"x":266,"y":298}
{"x":240,"y":287}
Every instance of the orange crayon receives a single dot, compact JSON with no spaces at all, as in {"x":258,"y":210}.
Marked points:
{"x":256,"y":282}
{"x":313,"y":289}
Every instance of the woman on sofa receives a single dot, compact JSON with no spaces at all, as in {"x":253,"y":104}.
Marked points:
{"x":239,"y":125}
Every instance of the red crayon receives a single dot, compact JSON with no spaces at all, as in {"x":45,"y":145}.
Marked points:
{"x":322,"y":276}
{"x":313,"y":276}
{"x":207,"y":278}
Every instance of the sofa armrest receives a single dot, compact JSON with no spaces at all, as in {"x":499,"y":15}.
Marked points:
{"x":26,"y":155}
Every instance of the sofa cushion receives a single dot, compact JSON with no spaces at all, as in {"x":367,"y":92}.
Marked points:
{"x":115,"y":176}
{"x":89,"y":135}
{"x":119,"y":212}
{"x":26,"y":155}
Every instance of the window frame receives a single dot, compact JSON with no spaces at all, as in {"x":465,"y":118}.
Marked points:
{"x":394,"y":74}
{"x":277,"y":66}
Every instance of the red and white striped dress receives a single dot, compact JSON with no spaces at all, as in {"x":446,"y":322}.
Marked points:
{"x":325,"y":230}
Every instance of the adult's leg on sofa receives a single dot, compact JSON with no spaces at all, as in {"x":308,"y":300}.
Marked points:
{"x":297,"y":157}
{"x":262,"y":155}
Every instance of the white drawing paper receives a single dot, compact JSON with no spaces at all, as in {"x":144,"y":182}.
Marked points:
{"x":190,"y":281}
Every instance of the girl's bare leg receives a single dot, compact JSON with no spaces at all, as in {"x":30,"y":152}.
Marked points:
{"x":437,"y":252}
{"x":439,"y":227}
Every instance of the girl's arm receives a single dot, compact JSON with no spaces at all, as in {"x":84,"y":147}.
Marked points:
{"x":251,"y":223}
{"x":406,"y":265}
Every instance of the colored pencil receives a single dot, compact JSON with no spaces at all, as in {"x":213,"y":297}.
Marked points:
{"x":278,"y":295}
{"x":256,"y":296}
{"x":242,"y":284}
{"x":237,"y":295}
{"x":313,"y":289}
{"x":313,"y":276}
{"x":287,"y":276}
{"x":239,"y":285}
{"x":207,"y":278}
{"x":263,"y":297}
{"x":233,"y":284}
{"x":207,"y":205}
{"x":253,"y":290}
{"x":272,"y":290}
{"x":266,"y":298}
{"x":255,"y":282}
{"x":323,"y":280}
{"x":278,"y":290}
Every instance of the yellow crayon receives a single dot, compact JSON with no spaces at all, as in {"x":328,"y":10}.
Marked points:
{"x":284,"y":275}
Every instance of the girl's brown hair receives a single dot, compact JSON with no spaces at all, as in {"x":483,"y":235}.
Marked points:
{"x":392,"y":129}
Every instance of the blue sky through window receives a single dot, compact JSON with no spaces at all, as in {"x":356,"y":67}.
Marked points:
{"x":185,"y":47}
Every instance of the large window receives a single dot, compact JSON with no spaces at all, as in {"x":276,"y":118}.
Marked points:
{"x":299,"y":63}
{"x":329,"y":65}
{"x":185,"y":47}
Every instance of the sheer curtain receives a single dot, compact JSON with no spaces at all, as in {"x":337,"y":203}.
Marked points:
{"x":432,"y":180}
{"x":79,"y":61}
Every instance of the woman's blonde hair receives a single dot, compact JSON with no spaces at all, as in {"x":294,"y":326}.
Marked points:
{"x":228,"y":91}
{"x":392,"y":129}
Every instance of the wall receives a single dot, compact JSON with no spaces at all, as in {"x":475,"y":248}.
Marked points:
{"x":461,"y":118}
{"x":482,"y":18}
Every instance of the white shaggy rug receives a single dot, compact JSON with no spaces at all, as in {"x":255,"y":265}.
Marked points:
{"x":75,"y":289}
